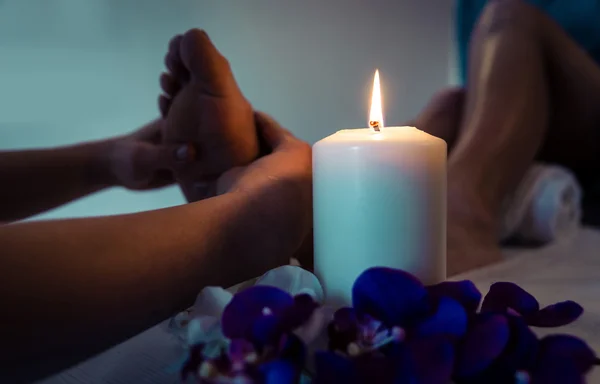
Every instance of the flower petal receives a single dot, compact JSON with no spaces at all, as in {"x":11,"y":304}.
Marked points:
{"x":294,"y":280}
{"x":505,"y":295}
{"x":522,"y":349}
{"x":483,"y":343}
{"x":465,"y":292}
{"x":332,"y":368}
{"x":211,"y":301}
{"x":206,"y":330}
{"x":280,"y":371}
{"x":249,"y":305}
{"x":567,"y":347}
{"x":432,"y":360}
{"x":557,"y":371}
{"x":390,"y":295}
{"x":556,"y":315}
{"x":450,"y":319}
{"x":267,"y":330}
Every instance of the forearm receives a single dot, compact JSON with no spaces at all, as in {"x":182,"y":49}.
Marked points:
{"x":34,"y":181}
{"x":73,"y":288}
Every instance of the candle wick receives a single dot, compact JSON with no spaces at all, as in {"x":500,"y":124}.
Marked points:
{"x":375,"y":125}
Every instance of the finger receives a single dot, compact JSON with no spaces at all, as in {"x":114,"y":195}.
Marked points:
{"x":273,"y":134}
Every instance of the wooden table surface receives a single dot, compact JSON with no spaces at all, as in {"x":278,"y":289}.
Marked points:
{"x":565,"y":271}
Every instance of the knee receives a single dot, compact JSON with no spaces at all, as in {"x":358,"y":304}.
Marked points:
{"x":502,"y":15}
{"x":448,"y":100}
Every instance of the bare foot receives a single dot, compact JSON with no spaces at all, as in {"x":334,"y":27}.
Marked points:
{"x":204,"y":106}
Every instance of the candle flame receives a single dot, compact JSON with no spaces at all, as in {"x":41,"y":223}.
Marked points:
{"x":376,"y":113}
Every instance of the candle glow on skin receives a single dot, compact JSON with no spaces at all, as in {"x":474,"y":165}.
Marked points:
{"x":379,"y":199}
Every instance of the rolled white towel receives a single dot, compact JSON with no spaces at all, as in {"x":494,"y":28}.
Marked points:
{"x":546,"y":206}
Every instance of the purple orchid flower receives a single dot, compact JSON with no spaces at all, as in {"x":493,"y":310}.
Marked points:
{"x":505,"y":297}
{"x":560,"y":359}
{"x":425,"y":361}
{"x":397,"y":330}
{"x":464,"y":292}
{"x":242,"y":363}
{"x":500,"y":348}
{"x":263,"y":314}
{"x":390,"y":305}
{"x":495,"y":347}
{"x":259,"y":321}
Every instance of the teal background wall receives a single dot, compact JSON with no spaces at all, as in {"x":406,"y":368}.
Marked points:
{"x":75,"y":70}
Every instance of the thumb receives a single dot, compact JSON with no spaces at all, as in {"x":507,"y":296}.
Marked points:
{"x":269,"y":130}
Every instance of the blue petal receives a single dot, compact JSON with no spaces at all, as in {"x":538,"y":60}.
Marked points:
{"x":391,"y":296}
{"x":269,"y":329}
{"x":504,"y":295}
{"x":266,"y":330}
{"x":450,"y":319}
{"x":247,"y":306}
{"x":567,"y":347}
{"x":465,"y":292}
{"x":280,"y":372}
{"x":522,"y":349}
{"x":557,"y":371}
{"x":556,"y":315}
{"x":483,"y":343}
{"x":432,"y":359}
{"x":332,"y":368}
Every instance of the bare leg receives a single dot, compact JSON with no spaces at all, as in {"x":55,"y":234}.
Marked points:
{"x":530,"y":91}
{"x":443,"y":114}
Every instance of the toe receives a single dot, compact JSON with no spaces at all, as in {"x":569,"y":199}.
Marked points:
{"x":169,"y":84}
{"x":164,"y":104}
{"x":173,"y":60}
{"x":206,"y":65}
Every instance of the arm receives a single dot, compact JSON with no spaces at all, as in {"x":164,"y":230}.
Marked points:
{"x":72,"y":288}
{"x":34,"y":181}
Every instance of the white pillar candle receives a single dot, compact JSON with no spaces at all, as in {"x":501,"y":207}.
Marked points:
{"x":379,"y":200}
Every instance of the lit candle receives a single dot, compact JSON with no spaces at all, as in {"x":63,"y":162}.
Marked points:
{"x":379,"y":200}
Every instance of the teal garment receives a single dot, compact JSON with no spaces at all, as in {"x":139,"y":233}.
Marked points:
{"x":579,"y":18}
